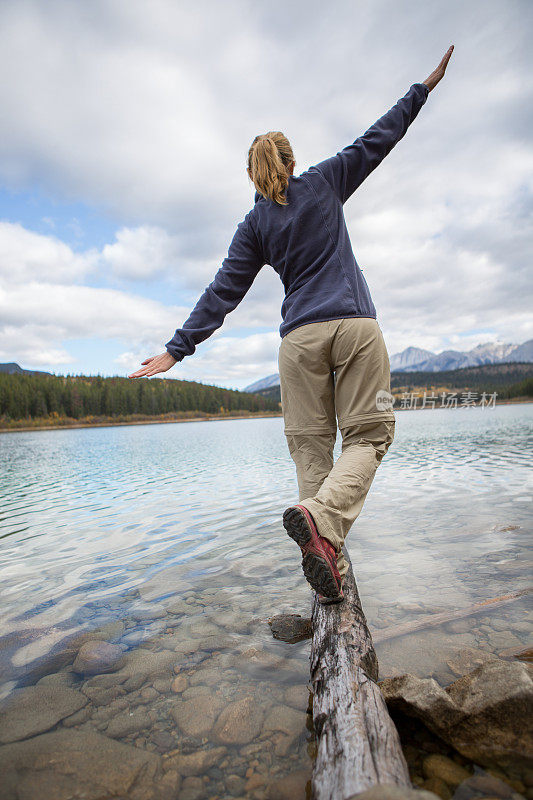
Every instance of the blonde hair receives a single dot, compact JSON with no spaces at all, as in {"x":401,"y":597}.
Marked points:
{"x":269,"y":158}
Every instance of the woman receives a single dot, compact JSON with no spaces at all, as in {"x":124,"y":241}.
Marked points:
{"x":333,"y":363}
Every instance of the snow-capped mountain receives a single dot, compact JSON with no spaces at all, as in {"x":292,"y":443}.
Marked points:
{"x":414,"y":359}
{"x":408,"y":357}
{"x":264,"y":383}
{"x":489,"y":353}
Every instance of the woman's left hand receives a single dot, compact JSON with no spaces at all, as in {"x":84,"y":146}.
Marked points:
{"x":155,"y":364}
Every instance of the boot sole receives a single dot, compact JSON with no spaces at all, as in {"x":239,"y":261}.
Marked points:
{"x":316,"y":568}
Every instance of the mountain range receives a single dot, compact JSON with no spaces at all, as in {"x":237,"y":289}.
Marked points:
{"x":15,"y":369}
{"x":414,"y":359}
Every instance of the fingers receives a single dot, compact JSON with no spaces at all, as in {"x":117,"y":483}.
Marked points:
{"x":444,"y":61}
{"x":148,"y":370}
{"x":153,"y":365}
{"x":151,"y":369}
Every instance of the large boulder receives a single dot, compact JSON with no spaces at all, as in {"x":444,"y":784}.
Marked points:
{"x":70,"y":763}
{"x":36,"y":709}
{"x":485,"y":715}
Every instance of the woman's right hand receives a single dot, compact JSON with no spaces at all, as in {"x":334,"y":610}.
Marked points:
{"x":438,"y":73}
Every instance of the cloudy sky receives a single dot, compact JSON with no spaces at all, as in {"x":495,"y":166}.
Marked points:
{"x":125,"y":129}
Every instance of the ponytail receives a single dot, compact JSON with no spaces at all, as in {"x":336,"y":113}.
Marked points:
{"x":269,"y":158}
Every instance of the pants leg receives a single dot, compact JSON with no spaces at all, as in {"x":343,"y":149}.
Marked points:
{"x":308,"y":404}
{"x":339,"y":501}
{"x":358,"y":355}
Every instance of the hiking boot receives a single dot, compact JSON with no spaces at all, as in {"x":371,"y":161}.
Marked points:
{"x":319,"y":558}
{"x":329,"y":601}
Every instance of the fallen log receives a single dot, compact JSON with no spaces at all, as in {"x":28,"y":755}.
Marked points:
{"x":434,"y":620}
{"x":357,"y":743}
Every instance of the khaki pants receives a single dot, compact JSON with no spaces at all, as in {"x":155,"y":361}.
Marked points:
{"x":330,"y":374}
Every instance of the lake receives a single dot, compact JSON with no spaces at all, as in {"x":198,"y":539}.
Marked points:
{"x":166,"y":540}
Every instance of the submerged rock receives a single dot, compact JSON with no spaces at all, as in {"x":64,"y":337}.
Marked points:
{"x":385,"y":791}
{"x":290,"y":628}
{"x":97,"y":657}
{"x":128,"y":722}
{"x":239,"y":723}
{"x":467,"y":659}
{"x":484,"y":715}
{"x":438,"y":766}
{"x":290,"y":786}
{"x":179,"y":684}
{"x":196,"y":717}
{"x":192,"y":789}
{"x":195,"y":763}
{"x":62,"y":678}
{"x":297,"y":697}
{"x":285,"y":719}
{"x":36,"y":709}
{"x":71,"y":763}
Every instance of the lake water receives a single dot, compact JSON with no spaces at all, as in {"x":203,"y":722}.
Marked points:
{"x":166,"y":539}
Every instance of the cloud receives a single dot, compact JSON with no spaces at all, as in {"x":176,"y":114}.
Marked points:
{"x":146,"y":113}
{"x":141,"y":253}
{"x":25,"y":256}
{"x":36,"y":316}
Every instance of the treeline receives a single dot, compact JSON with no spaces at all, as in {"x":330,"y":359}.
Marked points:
{"x":56,"y":397}
{"x":521,"y":389}
{"x":483,"y":378}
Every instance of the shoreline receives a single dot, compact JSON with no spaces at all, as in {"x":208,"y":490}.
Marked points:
{"x":28,"y":429}
{"x":133,"y":422}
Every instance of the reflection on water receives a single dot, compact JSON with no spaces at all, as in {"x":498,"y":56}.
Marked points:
{"x":165,"y":542}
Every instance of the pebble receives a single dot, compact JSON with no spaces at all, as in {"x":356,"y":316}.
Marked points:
{"x":439,"y":766}
{"x":163,"y":740}
{"x":254,"y":782}
{"x":291,"y":786}
{"x":148,"y":614}
{"x":58,"y":679}
{"x":208,"y":677}
{"x":161,"y":685}
{"x":235,"y":784}
{"x":192,"y":789}
{"x":196,"y":717}
{"x":198,"y":762}
{"x":285,"y":719}
{"x":438,"y":786}
{"x":297,"y":697}
{"x":97,"y":657}
{"x":128,"y":722}
{"x":488,"y":784}
{"x":239,"y":722}
{"x":179,"y":684}
{"x":148,"y":694}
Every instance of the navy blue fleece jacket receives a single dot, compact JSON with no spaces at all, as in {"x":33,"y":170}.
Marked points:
{"x":306,"y":242}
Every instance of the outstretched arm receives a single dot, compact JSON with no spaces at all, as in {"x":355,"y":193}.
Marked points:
{"x":224,"y":293}
{"x":349,"y":167}
{"x":438,"y":73}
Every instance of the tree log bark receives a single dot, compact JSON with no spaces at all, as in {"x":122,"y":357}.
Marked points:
{"x":357,"y":743}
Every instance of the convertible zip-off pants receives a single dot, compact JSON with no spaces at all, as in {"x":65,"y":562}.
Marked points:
{"x":336,"y":373}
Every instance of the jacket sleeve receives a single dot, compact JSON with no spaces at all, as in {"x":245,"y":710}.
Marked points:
{"x":224,"y":293}
{"x":349,"y":168}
